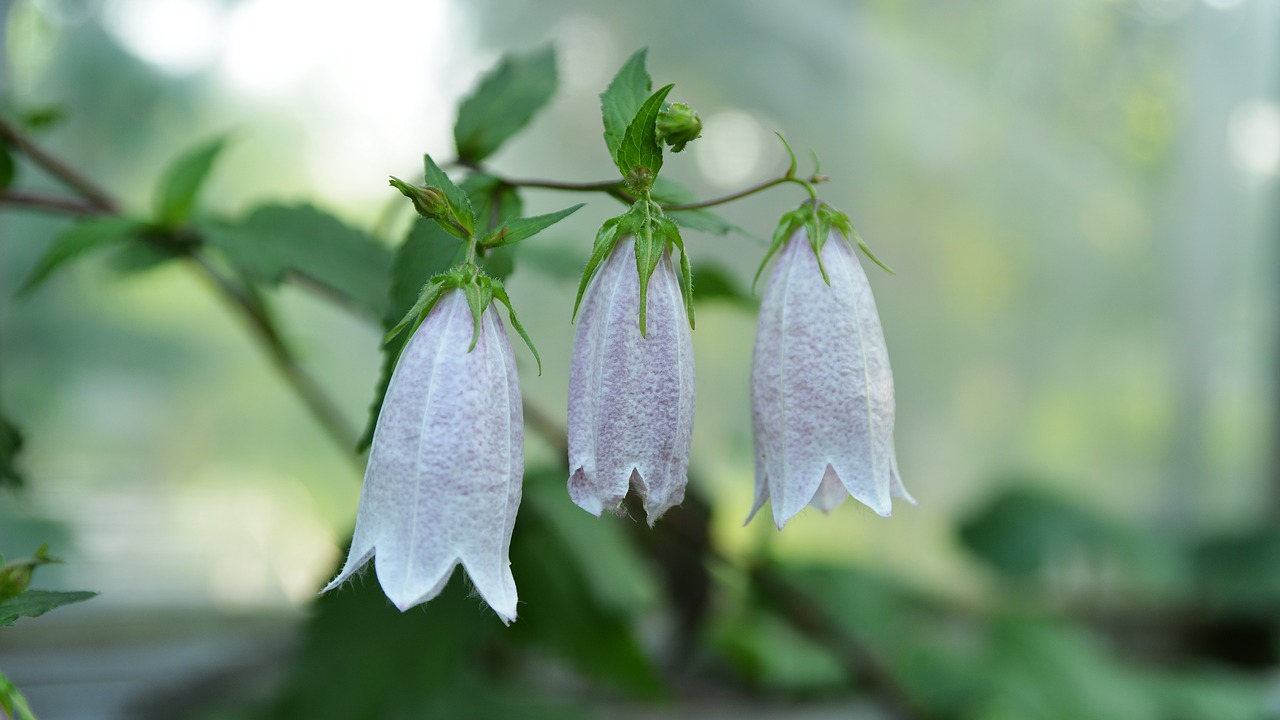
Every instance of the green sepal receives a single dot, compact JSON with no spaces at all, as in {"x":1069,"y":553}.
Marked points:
{"x":639,"y":147}
{"x":846,"y":228}
{"x":16,"y":575}
{"x":427,"y":299}
{"x":786,"y":226}
{"x":606,"y":238}
{"x":461,"y":218}
{"x":500,"y":294}
{"x":517,"y":229}
{"x":620,"y":102}
{"x":672,"y":235}
{"x":648,"y":249}
{"x":478,"y":296}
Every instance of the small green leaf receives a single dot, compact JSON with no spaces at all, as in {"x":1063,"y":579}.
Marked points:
{"x":12,"y":701}
{"x":500,"y":294}
{"x":517,"y":229}
{"x":639,"y":147}
{"x":181,"y":183}
{"x":10,"y":446}
{"x":504,"y":101}
{"x":620,"y":102}
{"x":77,"y":240}
{"x":606,"y":238}
{"x":34,"y":603}
{"x":305,"y":244}
{"x":459,"y":204}
{"x":427,"y":299}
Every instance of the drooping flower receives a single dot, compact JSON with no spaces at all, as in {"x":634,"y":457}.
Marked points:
{"x":443,"y":481}
{"x":631,"y":386}
{"x":821,"y":387}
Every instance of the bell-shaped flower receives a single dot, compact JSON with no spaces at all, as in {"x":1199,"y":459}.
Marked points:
{"x":821,"y":388}
{"x":631,"y":385}
{"x":444,"y":476}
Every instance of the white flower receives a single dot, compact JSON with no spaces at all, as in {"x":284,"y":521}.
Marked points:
{"x":821,"y":387}
{"x":631,"y":397}
{"x":443,"y":482}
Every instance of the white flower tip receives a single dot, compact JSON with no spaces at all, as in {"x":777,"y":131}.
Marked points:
{"x":583,"y":494}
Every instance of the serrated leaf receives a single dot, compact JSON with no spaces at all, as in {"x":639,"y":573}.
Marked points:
{"x":620,"y":102}
{"x":75,"y":241}
{"x":307,"y":245}
{"x":459,"y":204}
{"x":504,"y":101}
{"x":517,"y":229}
{"x":639,"y":147}
{"x":34,"y":603}
{"x":10,"y":445}
{"x":180,"y":185}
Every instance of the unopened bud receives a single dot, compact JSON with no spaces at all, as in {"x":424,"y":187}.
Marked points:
{"x":428,"y":201}
{"x":678,"y":125}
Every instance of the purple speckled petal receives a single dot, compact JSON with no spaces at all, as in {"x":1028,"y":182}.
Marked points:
{"x":822,"y":389}
{"x":631,"y":398}
{"x":444,"y":476}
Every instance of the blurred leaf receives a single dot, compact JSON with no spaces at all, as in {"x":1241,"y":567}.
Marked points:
{"x":713,"y":282}
{"x":8,"y":168}
{"x":562,"y":606}
{"x":181,"y":183}
{"x":1240,"y":571}
{"x":42,"y":118}
{"x":1209,"y":694}
{"x":275,"y":242}
{"x":771,"y":654}
{"x":670,"y":192}
{"x":10,"y":446}
{"x":555,"y":260}
{"x":504,"y":101}
{"x":1023,"y":532}
{"x":34,"y":603}
{"x":620,"y":102}
{"x":639,"y":146}
{"x":1052,"y":671}
{"x":12,"y":701}
{"x":83,"y":237}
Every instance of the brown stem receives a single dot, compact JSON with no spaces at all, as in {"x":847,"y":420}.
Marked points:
{"x":63,"y":172}
{"x":48,"y":203}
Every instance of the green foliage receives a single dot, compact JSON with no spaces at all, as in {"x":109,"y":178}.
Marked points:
{"x":180,"y":186}
{"x":516,"y":229}
{"x":1239,"y":572}
{"x":10,"y":446}
{"x":33,"y":603}
{"x":639,"y":147}
{"x":277,"y":242}
{"x":460,"y":221}
{"x":505,"y":100}
{"x":620,"y":102}
{"x":12,"y":701}
{"x":715,"y":283}
{"x":79,"y":239}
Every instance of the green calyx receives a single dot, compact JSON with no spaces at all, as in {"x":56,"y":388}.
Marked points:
{"x":654,"y":235}
{"x":817,"y":219}
{"x":16,"y":575}
{"x":480,"y":291}
{"x":677,"y":126}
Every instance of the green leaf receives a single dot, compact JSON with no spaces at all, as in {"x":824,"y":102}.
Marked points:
{"x":10,"y":446}
{"x":8,"y":168}
{"x":517,"y":229}
{"x":494,"y":201}
{"x":716,"y":283}
{"x":12,"y":701}
{"x":309,"y":246}
{"x":620,"y":102}
{"x":181,"y":183}
{"x":639,"y":147}
{"x":459,"y":204}
{"x":504,"y":101}
{"x":34,"y":603}
{"x":772,"y":654}
{"x":79,"y":239}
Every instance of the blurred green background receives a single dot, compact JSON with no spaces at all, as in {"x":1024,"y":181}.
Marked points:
{"x":1077,"y":198}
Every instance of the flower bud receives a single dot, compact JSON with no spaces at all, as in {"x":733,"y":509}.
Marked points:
{"x":821,"y":387}
{"x":428,"y":201}
{"x":443,"y":481}
{"x":631,"y":396}
{"x":677,"y":126}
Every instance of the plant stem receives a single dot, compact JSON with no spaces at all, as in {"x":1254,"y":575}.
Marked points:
{"x":55,"y":167}
{"x":48,"y":203}
{"x":617,"y":189}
